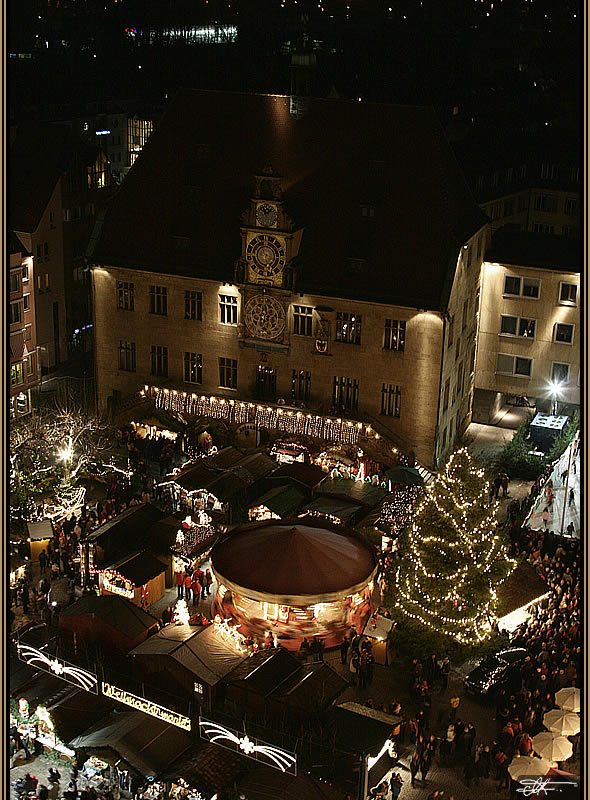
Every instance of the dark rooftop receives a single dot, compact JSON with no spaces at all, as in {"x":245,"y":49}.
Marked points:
{"x":194,"y":176}
{"x":138,"y":568}
{"x":538,"y":250}
{"x":121,"y":614}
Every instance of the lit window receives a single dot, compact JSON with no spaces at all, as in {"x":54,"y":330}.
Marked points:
{"x":394,"y":337}
{"x":17,"y":374}
{"x":193,"y":368}
{"x":348,"y":327}
{"x":302,"y":320}
{"x":228,"y":309}
{"x":517,"y":326}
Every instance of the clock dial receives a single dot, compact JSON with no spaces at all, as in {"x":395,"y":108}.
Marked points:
{"x":264,"y":317}
{"x":266,"y":215}
{"x":266,"y":255}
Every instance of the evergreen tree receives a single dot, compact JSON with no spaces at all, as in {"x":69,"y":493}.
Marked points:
{"x":454,"y":556}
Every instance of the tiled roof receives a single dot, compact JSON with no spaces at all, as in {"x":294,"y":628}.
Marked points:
{"x":194,"y":177}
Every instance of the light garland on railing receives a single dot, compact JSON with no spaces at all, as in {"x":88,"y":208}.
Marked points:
{"x":271,"y":417}
{"x":422,"y":593}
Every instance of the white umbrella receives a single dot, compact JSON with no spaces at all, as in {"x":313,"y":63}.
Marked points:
{"x":561,"y":721}
{"x":552,"y":747}
{"x":528,"y":767}
{"x":568,"y":699}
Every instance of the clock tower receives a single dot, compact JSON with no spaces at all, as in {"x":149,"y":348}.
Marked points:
{"x":268,"y":236}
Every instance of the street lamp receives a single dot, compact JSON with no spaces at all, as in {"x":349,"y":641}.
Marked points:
{"x":555,"y":387}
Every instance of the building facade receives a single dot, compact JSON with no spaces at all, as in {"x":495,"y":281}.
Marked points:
{"x":321,"y":282}
{"x":24,"y":361}
{"x":530,"y":336}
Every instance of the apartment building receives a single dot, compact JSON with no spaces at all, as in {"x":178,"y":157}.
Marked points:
{"x":24,"y":361}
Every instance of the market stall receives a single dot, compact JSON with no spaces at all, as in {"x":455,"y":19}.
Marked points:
{"x":307,"y":580}
{"x":340,"y":512}
{"x":522,"y":590}
{"x":110,"y":619}
{"x":378,"y":629}
{"x":39,"y":535}
{"x":290,"y":452}
{"x":277,"y":503}
{"x":139,"y":578}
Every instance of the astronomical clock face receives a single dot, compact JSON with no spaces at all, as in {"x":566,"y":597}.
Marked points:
{"x":264,"y":317}
{"x":266,"y":215}
{"x":266,"y":257}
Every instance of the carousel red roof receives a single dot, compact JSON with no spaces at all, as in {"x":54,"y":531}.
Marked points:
{"x":280,"y":558}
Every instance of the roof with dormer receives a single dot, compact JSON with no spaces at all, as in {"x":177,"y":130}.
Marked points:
{"x":179,"y":209}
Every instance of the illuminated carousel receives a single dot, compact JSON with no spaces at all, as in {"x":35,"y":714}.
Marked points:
{"x":288,"y":580}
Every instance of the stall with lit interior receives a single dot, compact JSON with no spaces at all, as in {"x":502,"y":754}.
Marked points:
{"x":286,"y":580}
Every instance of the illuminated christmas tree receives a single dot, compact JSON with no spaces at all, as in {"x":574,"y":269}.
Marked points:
{"x":181,"y":613}
{"x":454,"y":556}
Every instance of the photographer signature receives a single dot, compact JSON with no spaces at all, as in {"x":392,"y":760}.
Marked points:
{"x":531,"y":786}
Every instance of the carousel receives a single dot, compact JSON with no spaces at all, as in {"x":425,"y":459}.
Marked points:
{"x":289,"y":580}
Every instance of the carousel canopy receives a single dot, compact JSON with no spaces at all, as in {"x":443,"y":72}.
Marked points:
{"x":281,"y":559}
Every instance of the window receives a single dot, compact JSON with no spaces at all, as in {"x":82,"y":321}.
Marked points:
{"x":40,"y":284}
{"x":457,"y":349}
{"x":348,"y":327}
{"x":46,"y":251}
{"x":508,"y":174}
{"x":391,"y":396}
{"x":127,"y":356}
{"x":15,"y":313}
{"x":523,"y":201}
{"x":28,"y":333}
{"x":300,"y":385}
{"x":563,"y":333}
{"x":560,"y":373}
{"x":575,"y":174}
{"x":548,"y":171}
{"x":228,"y":310}
{"x":546,"y":202}
{"x":495,"y":211}
{"x":521,"y":287}
{"x":27,"y":301}
{"x":28,"y":362}
{"x":126,"y":293}
{"x":514,"y":365}
{"x":479,"y":183}
{"x":14,"y":282}
{"x":465,"y":312}
{"x":468,"y":257}
{"x":228,"y":373}
{"x":16,"y":374}
{"x":444,"y":438}
{"x":509,"y":207}
{"x":345,"y":393}
{"x":460,"y":381}
{"x":52,"y":220}
{"x":355,"y":266}
{"x":47,"y":282}
{"x":25,"y":273}
{"x":571,"y":206}
{"x":395,"y":335}
{"x":193,"y":305}
{"x":159,"y":300}
{"x":472,"y":362}
{"x":39,"y":256}
{"x":447,"y":391}
{"x":302,"y":319}
{"x":368,"y":212}
{"x":540,"y":227}
{"x":568,"y":294}
{"x":159,"y":361}
{"x":193,"y":368}
{"x":517,"y":326}
{"x":495,"y":177}
{"x":569,"y":231}
{"x":450,"y":335}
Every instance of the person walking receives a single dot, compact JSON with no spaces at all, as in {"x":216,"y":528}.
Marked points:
{"x":208,"y":581}
{"x":445,"y":670}
{"x":43,"y":562}
{"x":454,"y":705}
{"x":179,"y":584}
{"x":414,"y":767}
{"x":187,"y":582}
{"x":344,"y":650}
{"x":546,"y":517}
{"x":572,"y":497}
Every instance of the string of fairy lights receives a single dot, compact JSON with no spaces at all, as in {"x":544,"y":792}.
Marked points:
{"x":442,"y":599}
{"x":264,"y":416}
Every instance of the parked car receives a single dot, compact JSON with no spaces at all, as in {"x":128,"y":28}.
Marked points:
{"x":495,"y":672}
